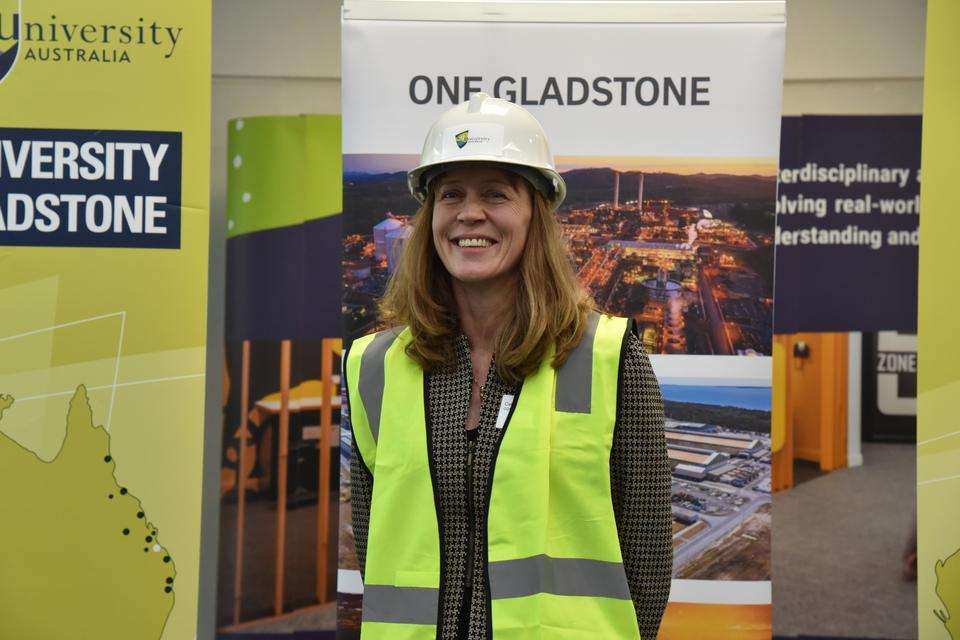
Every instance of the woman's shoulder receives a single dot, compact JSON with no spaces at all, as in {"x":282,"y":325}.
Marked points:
{"x":637,"y":373}
{"x":636,"y":354}
{"x":635,"y":348}
{"x":623,"y":331}
{"x":385,"y":334}
{"x":378,"y":341}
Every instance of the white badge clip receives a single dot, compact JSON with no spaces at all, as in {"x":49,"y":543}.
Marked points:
{"x":506,"y":402}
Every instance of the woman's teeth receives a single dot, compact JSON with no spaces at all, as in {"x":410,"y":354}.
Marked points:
{"x":473,"y":242}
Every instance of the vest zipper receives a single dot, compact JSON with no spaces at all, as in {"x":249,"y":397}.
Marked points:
{"x":471,"y":518}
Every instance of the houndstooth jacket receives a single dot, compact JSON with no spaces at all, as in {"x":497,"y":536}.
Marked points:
{"x":639,"y":477}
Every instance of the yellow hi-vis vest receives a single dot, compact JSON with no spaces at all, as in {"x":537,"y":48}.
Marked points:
{"x":554,"y":565}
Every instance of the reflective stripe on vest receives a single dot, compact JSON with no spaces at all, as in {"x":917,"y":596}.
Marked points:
{"x":365,"y":380}
{"x":575,"y":377}
{"x":371,"y":378}
{"x":559,"y":576}
{"x":553,"y":550}
{"x":401,"y":605}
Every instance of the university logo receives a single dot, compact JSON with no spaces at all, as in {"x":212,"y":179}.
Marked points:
{"x":9,"y":35}
{"x":61,"y":38}
{"x":462,"y":138}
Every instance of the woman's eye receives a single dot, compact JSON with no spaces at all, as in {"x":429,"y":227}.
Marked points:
{"x":496,"y":194}
{"x":448,"y":195}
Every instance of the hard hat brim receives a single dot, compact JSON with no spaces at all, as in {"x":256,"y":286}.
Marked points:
{"x":418,"y":186}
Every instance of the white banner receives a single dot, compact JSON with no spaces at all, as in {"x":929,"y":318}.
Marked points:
{"x":664,"y":120}
{"x":598,"y":89}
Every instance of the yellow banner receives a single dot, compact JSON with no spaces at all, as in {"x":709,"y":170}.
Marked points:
{"x":104,"y":192}
{"x":938,"y":381}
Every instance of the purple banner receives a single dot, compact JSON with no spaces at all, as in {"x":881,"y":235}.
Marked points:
{"x":848,"y":224}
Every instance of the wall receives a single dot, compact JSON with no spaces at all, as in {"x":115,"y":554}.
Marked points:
{"x":271,"y":57}
{"x":854,"y":57}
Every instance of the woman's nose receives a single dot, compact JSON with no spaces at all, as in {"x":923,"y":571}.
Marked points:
{"x":472,"y":210}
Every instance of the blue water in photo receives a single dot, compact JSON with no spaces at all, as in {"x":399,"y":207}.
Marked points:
{"x":743,"y":397}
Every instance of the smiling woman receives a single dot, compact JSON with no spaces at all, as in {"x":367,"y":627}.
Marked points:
{"x":510,"y":476}
{"x":480,"y":220}
{"x":486,"y":246}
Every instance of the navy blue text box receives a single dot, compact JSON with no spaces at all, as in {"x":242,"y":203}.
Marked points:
{"x":848,"y":287}
{"x":96,"y":200}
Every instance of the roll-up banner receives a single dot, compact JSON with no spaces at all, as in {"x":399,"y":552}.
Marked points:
{"x":104,"y":213}
{"x":848,"y":224}
{"x":938,"y":382}
{"x":664,"y":119}
{"x":280,"y":401}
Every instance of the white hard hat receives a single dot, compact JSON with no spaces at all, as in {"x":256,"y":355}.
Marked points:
{"x":492,"y":130}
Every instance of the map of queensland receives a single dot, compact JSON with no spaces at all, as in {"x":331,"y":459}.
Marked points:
{"x":81,"y":557}
{"x":948,"y":590}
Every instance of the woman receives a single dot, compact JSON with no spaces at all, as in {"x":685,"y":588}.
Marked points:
{"x":510,"y":477}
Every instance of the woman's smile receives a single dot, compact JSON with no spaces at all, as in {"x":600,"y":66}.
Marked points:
{"x":473,"y":242}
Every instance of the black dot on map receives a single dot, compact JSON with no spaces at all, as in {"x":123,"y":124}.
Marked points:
{"x":168,"y":589}
{"x":149,"y":538}
{"x":123,"y":491}
{"x":154,"y":533}
{"x":110,"y":496}
{"x":169,"y":580}
{"x":166,"y":558}
{"x":139,"y":514}
{"x":107,"y":458}
{"x":126,"y":532}
{"x":146,"y":549}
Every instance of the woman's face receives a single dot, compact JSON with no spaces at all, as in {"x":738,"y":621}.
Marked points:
{"x":481,"y":215}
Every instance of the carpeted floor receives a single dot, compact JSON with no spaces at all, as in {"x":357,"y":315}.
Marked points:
{"x":312,"y":623}
{"x":838,"y":543}
{"x":295,"y":635}
{"x":300,"y":568}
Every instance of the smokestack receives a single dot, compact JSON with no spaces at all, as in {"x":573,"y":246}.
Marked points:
{"x":616,"y":190}
{"x":640,"y":196}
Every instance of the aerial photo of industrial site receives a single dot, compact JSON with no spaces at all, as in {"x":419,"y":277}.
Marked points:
{"x":718,"y":442}
{"x":686,"y":250}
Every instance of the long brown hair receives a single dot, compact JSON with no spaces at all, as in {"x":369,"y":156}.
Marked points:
{"x":551,"y":306}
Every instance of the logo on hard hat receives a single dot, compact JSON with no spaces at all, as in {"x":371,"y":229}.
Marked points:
{"x":462,"y":138}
